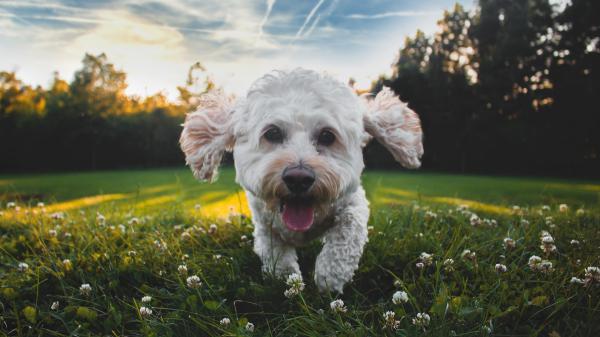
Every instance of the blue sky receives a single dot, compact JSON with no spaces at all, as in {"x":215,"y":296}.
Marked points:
{"x":155,"y":41}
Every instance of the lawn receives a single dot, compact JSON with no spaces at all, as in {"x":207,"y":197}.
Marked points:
{"x":117,"y":254}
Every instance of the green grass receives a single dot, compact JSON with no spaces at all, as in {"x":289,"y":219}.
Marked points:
{"x":470,"y":300}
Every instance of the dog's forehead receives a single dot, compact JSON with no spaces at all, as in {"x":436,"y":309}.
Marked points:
{"x":305,"y":109}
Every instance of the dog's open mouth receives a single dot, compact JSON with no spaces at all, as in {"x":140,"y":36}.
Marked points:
{"x":297,"y":213}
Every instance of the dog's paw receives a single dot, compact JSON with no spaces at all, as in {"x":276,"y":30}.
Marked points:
{"x":327,"y":281}
{"x":281,"y":270}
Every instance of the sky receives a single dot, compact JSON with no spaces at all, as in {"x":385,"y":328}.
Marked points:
{"x":156,"y":41}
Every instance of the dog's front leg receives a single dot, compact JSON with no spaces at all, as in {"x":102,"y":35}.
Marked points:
{"x":343,"y":245}
{"x":278,"y":258}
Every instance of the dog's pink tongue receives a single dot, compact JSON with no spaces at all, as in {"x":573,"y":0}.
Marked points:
{"x":298,"y":217}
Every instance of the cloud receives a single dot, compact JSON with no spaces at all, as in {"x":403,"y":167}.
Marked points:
{"x":389,"y":15}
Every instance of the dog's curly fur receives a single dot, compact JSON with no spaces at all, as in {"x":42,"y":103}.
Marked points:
{"x":301,"y":103}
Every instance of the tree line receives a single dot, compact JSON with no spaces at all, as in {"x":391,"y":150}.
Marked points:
{"x":90,"y":123}
{"x":508,"y":88}
{"x":511,"y":88}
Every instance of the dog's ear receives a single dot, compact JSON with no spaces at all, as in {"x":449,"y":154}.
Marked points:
{"x":207,"y":134}
{"x":396,"y":127}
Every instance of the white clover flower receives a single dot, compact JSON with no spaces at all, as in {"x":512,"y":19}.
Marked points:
{"x":182,"y":269}
{"x":509,"y":243}
{"x":580,"y":212}
{"x":534,"y":262}
{"x":225,"y":321}
{"x":547,"y":239}
{"x":55,"y":305}
{"x":489,"y":222}
{"x":146,"y":299}
{"x":291,"y":292}
{"x":249,"y":327}
{"x":11,"y":204}
{"x":100,"y":219}
{"x":389,"y":320}
{"x":475,"y":220}
{"x":421,"y":320}
{"x":467,"y":254}
{"x":193,"y":282}
{"x":426,"y":259}
{"x":500,"y":268}
{"x":338,"y":306}
{"x":161,"y":245}
{"x":576,"y":280}
{"x":545,"y":267}
{"x":134,"y":221}
{"x":546,"y":208}
{"x":294,"y":280}
{"x":419,"y":265}
{"x":41,"y":204}
{"x":132,"y":253}
{"x":575,"y":242}
{"x":186,"y":235}
{"x":22,"y":266}
{"x":563,"y":208}
{"x":400,"y":297}
{"x":212,"y":229}
{"x":85,"y":289}
{"x":67,"y":264}
{"x":145,"y":312}
{"x":57,"y":216}
{"x":243,"y":238}
{"x":449,"y":265}
{"x":549,"y":220}
{"x":197,"y":207}
{"x":122,"y":228}
{"x":430,"y":215}
{"x":67,"y":235}
{"x":184,"y":257}
{"x":592,"y":274}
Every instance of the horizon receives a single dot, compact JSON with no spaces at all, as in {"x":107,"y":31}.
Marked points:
{"x":235,"y":43}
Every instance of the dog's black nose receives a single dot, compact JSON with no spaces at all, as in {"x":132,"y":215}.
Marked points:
{"x":298,"y":179}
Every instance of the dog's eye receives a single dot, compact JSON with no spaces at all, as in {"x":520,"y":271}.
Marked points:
{"x":326,"y":138}
{"x":274,"y":135}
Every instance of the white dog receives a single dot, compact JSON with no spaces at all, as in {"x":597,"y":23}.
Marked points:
{"x":297,"y":142}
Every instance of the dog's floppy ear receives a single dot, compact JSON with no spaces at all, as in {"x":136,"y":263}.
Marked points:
{"x":207,"y":134}
{"x":396,"y":127}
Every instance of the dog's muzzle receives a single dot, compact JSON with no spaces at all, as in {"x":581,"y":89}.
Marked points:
{"x":298,"y":179}
{"x":297,"y":209}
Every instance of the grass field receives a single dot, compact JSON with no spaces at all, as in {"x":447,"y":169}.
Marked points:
{"x":127,"y":235}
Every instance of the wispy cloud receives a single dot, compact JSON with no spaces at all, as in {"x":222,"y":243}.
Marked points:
{"x":155,"y":41}
{"x":390,"y":15}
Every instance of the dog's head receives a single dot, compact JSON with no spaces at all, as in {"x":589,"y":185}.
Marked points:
{"x":297,"y":139}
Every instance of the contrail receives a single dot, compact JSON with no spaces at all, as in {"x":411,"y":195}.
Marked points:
{"x":270,"y":4}
{"x":312,"y":27}
{"x":309,"y":17}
